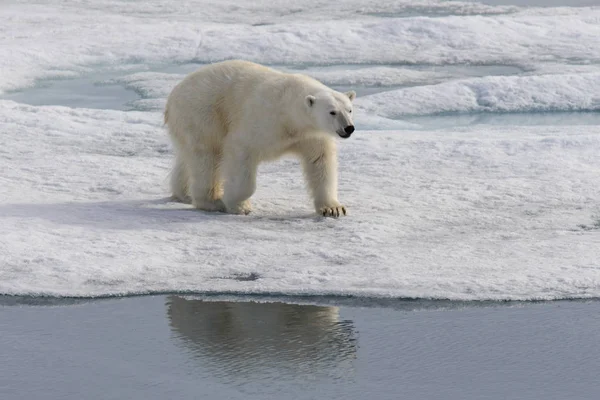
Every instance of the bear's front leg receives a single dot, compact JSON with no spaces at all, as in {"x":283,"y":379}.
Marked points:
{"x":239,"y":172}
{"x":319,"y":161}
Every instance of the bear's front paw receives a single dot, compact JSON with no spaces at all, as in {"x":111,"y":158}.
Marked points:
{"x":209,"y":205}
{"x":243,"y":208}
{"x":332,"y":211}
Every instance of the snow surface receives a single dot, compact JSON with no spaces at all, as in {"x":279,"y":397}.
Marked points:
{"x":557,"y":92}
{"x":470,"y":213}
{"x":66,"y":38}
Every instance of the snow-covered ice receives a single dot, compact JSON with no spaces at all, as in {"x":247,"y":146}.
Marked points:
{"x":569,"y":92}
{"x":63,"y":38}
{"x":460,"y":212}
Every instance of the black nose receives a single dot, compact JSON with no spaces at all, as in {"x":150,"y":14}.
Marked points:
{"x":349,"y":129}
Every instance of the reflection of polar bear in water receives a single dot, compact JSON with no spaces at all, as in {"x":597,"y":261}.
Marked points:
{"x":228,"y":117}
{"x":250,"y":340}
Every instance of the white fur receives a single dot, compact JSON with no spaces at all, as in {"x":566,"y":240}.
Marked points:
{"x":228,"y":117}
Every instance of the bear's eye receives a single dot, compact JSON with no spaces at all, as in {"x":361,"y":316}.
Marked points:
{"x":332,"y":113}
{"x":350,"y":111}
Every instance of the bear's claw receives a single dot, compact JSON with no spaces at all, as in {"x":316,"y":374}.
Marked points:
{"x":334,"y":211}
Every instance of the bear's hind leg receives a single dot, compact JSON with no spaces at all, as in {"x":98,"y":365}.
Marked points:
{"x":180,"y":181}
{"x":239,"y":170}
{"x":205,"y":189}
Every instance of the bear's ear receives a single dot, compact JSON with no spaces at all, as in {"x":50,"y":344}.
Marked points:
{"x":351,"y":95}
{"x":310,"y":100}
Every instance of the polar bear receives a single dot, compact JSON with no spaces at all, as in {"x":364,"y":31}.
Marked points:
{"x":226,"y":118}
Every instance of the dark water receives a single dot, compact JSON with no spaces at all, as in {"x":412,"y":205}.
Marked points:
{"x":170,"y":347}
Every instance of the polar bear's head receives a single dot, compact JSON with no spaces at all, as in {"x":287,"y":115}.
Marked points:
{"x":332,"y":112}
